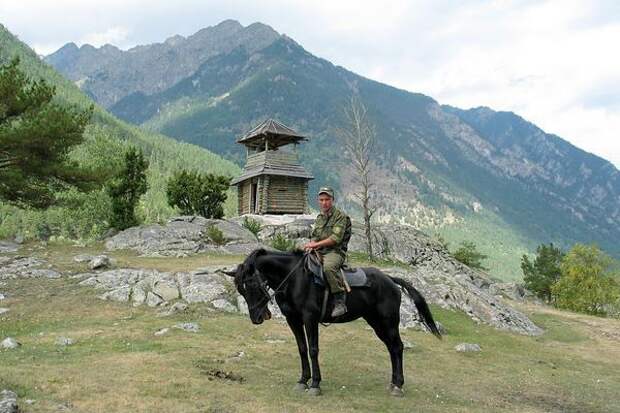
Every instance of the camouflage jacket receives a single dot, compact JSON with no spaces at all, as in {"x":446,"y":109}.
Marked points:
{"x":335,"y":225}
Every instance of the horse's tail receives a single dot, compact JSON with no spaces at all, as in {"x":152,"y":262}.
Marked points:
{"x":420,"y":304}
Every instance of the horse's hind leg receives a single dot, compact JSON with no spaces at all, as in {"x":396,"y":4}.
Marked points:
{"x":387,"y":331}
{"x":297,"y":328}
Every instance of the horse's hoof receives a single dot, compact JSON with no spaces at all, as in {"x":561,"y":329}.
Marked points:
{"x":300,"y":387}
{"x":397,"y":391}
{"x":314,"y":391}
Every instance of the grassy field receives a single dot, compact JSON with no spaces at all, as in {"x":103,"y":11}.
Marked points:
{"x":117,"y":364}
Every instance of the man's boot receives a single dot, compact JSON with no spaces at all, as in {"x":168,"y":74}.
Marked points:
{"x":339,"y":304}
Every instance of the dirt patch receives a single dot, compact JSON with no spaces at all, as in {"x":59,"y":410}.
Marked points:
{"x":215,"y":373}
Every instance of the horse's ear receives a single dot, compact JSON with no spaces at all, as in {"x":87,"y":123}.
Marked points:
{"x":231,"y":273}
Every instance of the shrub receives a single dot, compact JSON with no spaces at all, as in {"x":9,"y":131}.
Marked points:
{"x":216,"y":235}
{"x":469,"y":255}
{"x":252,"y":225}
{"x":280,"y":242}
{"x":198,"y":194}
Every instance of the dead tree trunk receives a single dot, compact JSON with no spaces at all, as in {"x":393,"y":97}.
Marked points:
{"x":358,"y":138}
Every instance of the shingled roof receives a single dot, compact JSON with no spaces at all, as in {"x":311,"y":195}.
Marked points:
{"x":277,"y":133}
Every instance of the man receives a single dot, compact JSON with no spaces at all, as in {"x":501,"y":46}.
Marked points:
{"x":330,"y":236}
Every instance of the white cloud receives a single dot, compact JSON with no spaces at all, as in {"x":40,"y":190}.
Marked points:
{"x":113,"y":35}
{"x":553,"y":62}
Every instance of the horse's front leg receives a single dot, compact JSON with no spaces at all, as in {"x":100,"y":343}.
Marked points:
{"x":297,"y":327}
{"x":312,"y":332}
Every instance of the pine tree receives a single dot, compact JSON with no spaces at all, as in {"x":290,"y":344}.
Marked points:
{"x":36,"y":135}
{"x":127,"y":188}
{"x":539,"y":275}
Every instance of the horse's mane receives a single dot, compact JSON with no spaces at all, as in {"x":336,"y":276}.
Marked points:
{"x":249,"y":264}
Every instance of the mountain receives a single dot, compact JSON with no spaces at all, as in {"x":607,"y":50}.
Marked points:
{"x":476,"y":174}
{"x":107,"y":134}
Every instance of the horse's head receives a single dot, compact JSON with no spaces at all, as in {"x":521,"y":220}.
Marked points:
{"x":253,"y":287}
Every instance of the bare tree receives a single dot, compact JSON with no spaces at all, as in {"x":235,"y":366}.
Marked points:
{"x":359,"y":138}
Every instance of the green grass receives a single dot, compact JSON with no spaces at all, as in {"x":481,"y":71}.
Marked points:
{"x":116,"y":364}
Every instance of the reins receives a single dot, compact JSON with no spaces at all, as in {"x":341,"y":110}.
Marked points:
{"x":277,"y":290}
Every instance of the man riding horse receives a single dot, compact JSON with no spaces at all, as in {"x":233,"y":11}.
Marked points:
{"x":330,"y":235}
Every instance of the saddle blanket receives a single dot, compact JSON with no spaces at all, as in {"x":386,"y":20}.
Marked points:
{"x":356,"y":277}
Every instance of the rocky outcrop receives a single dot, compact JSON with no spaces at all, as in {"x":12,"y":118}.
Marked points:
{"x":425,"y":263}
{"x":185,"y":235}
{"x":12,"y":267}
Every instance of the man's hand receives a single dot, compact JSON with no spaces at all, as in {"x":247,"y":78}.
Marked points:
{"x":311,"y":246}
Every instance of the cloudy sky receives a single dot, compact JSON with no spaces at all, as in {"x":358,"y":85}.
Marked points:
{"x":556,"y":63}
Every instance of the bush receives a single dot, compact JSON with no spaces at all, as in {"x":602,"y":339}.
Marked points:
{"x":469,"y":255}
{"x":216,"y":235}
{"x":586,"y":284}
{"x":252,"y":225}
{"x":280,"y":242}
{"x":198,"y":194}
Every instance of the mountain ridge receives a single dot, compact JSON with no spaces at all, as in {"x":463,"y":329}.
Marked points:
{"x":440,"y":168}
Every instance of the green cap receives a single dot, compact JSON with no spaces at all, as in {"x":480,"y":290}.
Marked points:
{"x":326,"y":190}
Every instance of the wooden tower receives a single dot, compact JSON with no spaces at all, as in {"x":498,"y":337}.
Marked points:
{"x":272,"y":181}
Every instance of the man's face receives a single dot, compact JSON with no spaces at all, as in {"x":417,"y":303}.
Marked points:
{"x":325,"y":202}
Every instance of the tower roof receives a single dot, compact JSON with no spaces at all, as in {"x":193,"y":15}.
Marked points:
{"x":275,"y":132}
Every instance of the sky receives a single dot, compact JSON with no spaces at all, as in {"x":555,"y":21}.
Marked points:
{"x":555,"y":63}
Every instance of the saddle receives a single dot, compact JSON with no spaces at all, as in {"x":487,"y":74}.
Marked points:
{"x":355,"y":277}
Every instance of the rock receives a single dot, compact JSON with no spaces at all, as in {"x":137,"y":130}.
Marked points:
{"x":191,"y":327}
{"x":64,"y":341}
{"x":177,"y":307}
{"x":10,"y":343}
{"x":8,"y":246}
{"x":511,"y":290}
{"x":224,"y":305}
{"x":2,"y":296}
{"x":199,"y":287}
{"x":19,"y":239}
{"x":153,"y":300}
{"x":242,"y":305}
{"x":119,"y":294}
{"x":407,"y":345}
{"x":98,"y":262}
{"x":8,"y":402}
{"x":82,"y":258}
{"x":3,"y":310}
{"x":183,"y":235}
{"x":161,"y":332}
{"x":166,"y":288}
{"x":467,"y":348}
{"x":25,"y":267}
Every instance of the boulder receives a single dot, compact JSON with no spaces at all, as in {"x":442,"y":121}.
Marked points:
{"x":182,"y":236}
{"x":64,"y":341}
{"x":8,"y":402}
{"x":3,"y":310}
{"x":8,"y":246}
{"x":153,"y":300}
{"x":98,"y":262}
{"x":10,"y":343}
{"x":467,"y":348}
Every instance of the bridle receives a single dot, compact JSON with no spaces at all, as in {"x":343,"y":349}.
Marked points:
{"x":262,"y":283}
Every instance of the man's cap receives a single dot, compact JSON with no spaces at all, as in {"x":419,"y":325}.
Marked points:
{"x":326,"y":190}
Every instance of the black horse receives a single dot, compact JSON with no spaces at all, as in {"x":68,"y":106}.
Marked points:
{"x":300,"y":300}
